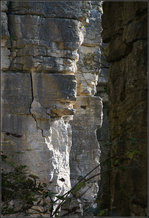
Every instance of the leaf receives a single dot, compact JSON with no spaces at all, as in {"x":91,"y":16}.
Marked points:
{"x":78,"y":187}
{"x":4,"y":157}
{"x":11,"y":163}
{"x":60,"y":197}
{"x":132,"y":154}
{"x":20,"y":169}
{"x":44,"y":184}
{"x":101,"y":213}
{"x":116,"y":162}
{"x":51,"y":194}
{"x":80,"y":178}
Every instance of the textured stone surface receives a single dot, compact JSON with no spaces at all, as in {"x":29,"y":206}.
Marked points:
{"x":46,"y":157}
{"x":88,"y":64}
{"x":40,"y":44}
{"x":86,"y":147}
{"x":85,"y":151}
{"x":16,"y":93}
{"x":5,"y":43}
{"x":59,"y":145}
{"x":24,"y":144}
{"x":54,"y":9}
{"x":43,"y":87}
{"x":103,"y":133}
{"x":88,"y":70}
{"x":125,"y":30}
{"x":49,"y":88}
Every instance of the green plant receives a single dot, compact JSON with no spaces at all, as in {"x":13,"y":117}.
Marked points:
{"x":23,"y":192}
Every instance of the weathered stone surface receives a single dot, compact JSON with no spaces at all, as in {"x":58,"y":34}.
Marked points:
{"x":69,"y":9}
{"x":46,"y":157}
{"x":39,"y":85}
{"x":5,"y":58}
{"x":103,"y":197}
{"x":88,"y":64}
{"x":41,"y":117}
{"x":12,"y":124}
{"x":39,"y":94}
{"x":16,"y":93}
{"x":94,"y":28}
{"x":121,"y":15}
{"x":88,"y":70}
{"x":41,"y":45}
{"x":5,"y":43}
{"x":59,"y":145}
{"x":85,"y":150}
{"x":4,"y":26}
{"x":135,"y":30}
{"x":103,"y":139}
{"x":4,"y":7}
{"x":50,"y":88}
{"x":127,"y":27}
{"x":24,"y":144}
{"x":29,"y":27}
{"x":121,"y":49}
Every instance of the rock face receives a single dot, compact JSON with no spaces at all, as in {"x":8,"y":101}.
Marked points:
{"x":125,"y":31}
{"x":103,"y":134}
{"x":85,"y":151}
{"x":50,"y":68}
{"x":40,"y":44}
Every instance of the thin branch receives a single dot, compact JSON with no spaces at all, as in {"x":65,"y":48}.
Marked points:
{"x":63,"y":201}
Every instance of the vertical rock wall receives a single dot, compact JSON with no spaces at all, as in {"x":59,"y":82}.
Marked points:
{"x":125,"y":31}
{"x":103,"y":133}
{"x":85,"y":151}
{"x":40,"y":44}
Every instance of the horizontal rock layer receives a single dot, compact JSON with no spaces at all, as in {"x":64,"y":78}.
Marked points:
{"x":50,"y":71}
{"x":40,"y":44}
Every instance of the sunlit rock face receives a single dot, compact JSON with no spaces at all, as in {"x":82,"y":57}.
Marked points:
{"x":50,"y":68}
{"x":85,"y":151}
{"x":40,"y":44}
{"x":125,"y":32}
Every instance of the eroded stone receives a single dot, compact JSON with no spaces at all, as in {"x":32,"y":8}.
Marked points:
{"x":16,"y":93}
{"x":50,"y":88}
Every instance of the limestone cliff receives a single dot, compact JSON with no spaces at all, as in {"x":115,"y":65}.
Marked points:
{"x":125,"y":31}
{"x":85,"y":151}
{"x":40,"y":44}
{"x":50,"y":68}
